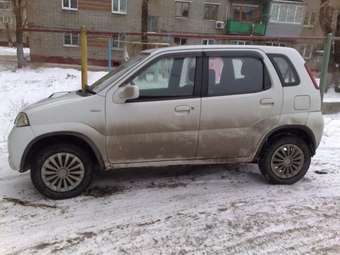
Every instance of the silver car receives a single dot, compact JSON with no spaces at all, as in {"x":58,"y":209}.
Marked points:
{"x":175,"y":106}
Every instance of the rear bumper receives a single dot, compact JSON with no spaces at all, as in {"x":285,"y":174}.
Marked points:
{"x":316,"y":123}
{"x":18,"y":140}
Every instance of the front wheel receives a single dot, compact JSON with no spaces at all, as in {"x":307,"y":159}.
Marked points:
{"x":61,"y":171}
{"x":285,"y":161}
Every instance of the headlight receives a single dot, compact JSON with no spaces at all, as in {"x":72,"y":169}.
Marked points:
{"x":22,"y":120}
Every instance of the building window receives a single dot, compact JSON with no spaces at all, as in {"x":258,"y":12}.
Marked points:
{"x":6,"y":20}
{"x":310,"y":19}
{"x":152,"y":24}
{"x":287,"y":13}
{"x":119,"y":6}
{"x":277,"y":44}
{"x":118,"y":41}
{"x":182,"y":9}
{"x":246,"y":13}
{"x":70,"y":4}
{"x":211,"y":11}
{"x":307,"y":51}
{"x":5,"y":5}
{"x":239,"y":42}
{"x":208,"y":41}
{"x":180,"y":41}
{"x":71,"y":40}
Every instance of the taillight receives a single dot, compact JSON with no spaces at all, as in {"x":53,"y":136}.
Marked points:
{"x":316,"y":85}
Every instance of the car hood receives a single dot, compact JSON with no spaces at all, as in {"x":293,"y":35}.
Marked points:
{"x":54,"y":99}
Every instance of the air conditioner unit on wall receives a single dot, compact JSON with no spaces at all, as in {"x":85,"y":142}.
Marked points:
{"x":220,"y":25}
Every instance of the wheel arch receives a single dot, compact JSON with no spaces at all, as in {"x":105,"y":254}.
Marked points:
{"x":301,"y":131}
{"x":60,"y":137}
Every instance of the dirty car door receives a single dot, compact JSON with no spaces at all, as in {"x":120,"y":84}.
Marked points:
{"x":241,"y":103}
{"x":162,"y":124}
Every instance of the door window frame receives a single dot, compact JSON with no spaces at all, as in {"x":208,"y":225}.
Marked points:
{"x":267,"y":80}
{"x":197,"y":82}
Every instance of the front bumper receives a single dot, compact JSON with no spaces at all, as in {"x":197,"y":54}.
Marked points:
{"x":18,"y":140}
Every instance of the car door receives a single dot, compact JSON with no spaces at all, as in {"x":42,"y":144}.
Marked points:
{"x":162,"y":124}
{"x":241,"y":102}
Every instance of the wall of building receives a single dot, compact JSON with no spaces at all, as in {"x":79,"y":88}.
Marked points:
{"x":282,"y":29}
{"x":6,"y":15}
{"x":98,"y":16}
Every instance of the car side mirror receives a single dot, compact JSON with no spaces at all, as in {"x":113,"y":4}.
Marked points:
{"x":127,"y":92}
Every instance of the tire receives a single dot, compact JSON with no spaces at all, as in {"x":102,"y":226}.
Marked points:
{"x":292,"y":168}
{"x":68,"y":163}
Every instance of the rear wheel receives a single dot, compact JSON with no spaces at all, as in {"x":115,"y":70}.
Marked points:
{"x":285,"y":161}
{"x":62,"y":171}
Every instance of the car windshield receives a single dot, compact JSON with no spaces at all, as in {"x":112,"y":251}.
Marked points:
{"x":118,"y":72}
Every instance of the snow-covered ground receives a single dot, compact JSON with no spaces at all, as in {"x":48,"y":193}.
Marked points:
{"x":178,"y":210}
{"x":8,"y":51}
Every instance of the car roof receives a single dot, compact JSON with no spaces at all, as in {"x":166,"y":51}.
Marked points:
{"x":265,"y":49}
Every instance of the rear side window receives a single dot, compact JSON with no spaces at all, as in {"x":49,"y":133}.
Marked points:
{"x":236,"y":75}
{"x":285,"y":70}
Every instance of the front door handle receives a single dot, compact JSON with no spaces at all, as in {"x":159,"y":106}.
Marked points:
{"x":183,"y":108}
{"x":267,"y":101}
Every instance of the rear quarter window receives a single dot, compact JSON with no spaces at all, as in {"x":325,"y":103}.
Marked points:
{"x":285,"y":69}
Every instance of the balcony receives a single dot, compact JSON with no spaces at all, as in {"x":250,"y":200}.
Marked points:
{"x":242,"y":28}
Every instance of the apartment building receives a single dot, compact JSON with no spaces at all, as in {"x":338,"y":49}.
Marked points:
{"x":117,"y":16}
{"x":276,"y":18}
{"x":7,"y":21}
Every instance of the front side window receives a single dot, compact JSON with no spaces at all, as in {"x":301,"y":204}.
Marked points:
{"x":118,"y":72}
{"x":211,"y":11}
{"x":119,"y":6}
{"x":235,"y":75}
{"x":70,"y":4}
{"x":71,"y":40}
{"x":182,"y":9}
{"x":285,"y":70}
{"x":166,"y":78}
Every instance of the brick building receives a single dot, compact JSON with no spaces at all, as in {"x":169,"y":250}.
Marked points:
{"x":237,"y":17}
{"x":7,"y":21}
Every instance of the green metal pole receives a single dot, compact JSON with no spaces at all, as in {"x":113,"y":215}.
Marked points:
{"x":325,"y":63}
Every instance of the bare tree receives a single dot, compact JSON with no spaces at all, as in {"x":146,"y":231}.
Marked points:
{"x":19,"y":9}
{"x":326,"y":16}
{"x":8,"y":34}
{"x":144,"y":22}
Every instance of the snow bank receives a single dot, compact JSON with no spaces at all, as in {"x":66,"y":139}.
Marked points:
{"x":20,"y":88}
{"x":8,"y":51}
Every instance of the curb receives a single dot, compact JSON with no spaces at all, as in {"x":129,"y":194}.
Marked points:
{"x":330,"y":107}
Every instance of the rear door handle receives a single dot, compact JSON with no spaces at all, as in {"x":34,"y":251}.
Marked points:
{"x":267,"y":101}
{"x":183,"y":108}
